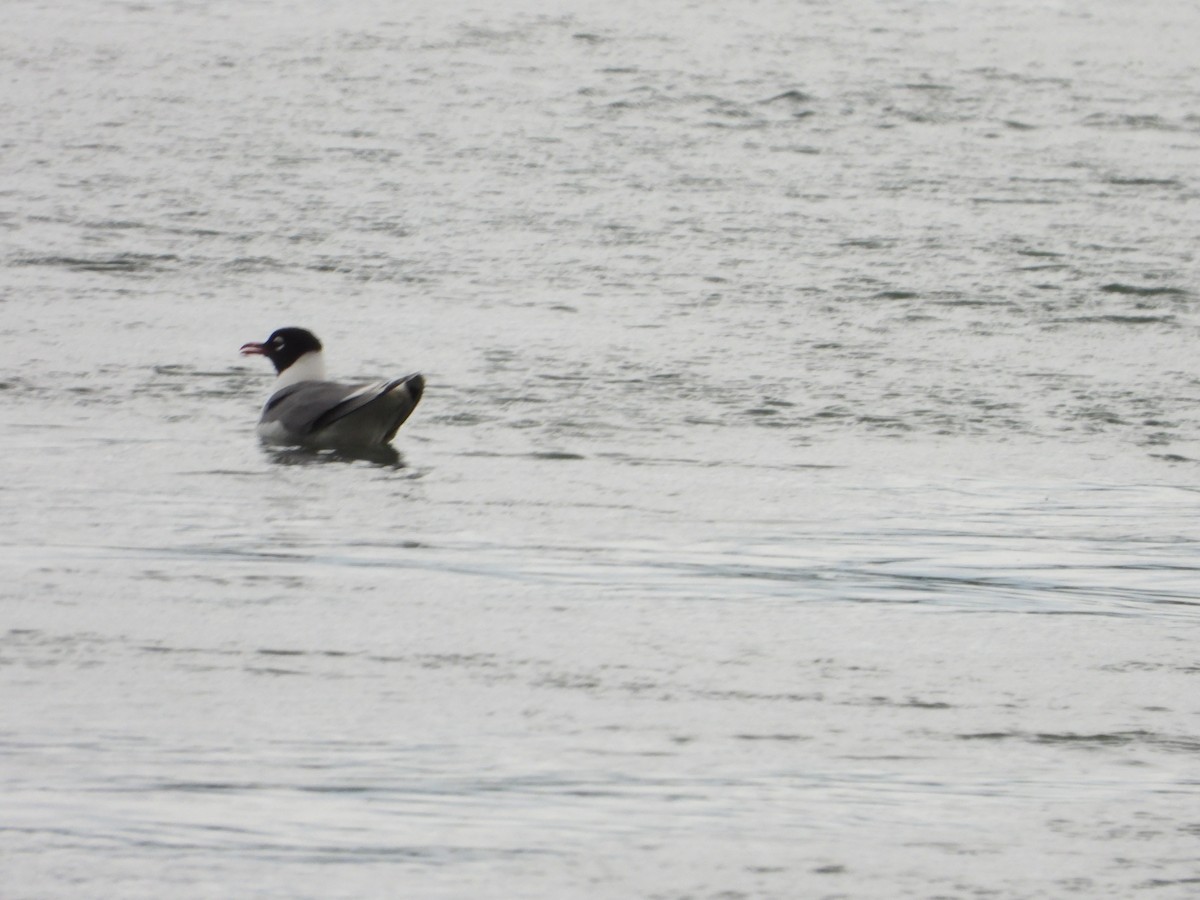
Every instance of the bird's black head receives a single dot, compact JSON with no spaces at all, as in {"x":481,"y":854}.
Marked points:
{"x":284,"y":347}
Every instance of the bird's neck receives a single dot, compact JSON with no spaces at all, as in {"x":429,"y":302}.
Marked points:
{"x":309,"y":367}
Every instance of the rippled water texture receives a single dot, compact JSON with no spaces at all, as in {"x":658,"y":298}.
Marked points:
{"x":802,"y":502}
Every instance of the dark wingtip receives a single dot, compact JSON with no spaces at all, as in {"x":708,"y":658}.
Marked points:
{"x":416,"y":387}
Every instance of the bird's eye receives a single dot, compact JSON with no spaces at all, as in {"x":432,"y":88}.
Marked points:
{"x":278,"y":343}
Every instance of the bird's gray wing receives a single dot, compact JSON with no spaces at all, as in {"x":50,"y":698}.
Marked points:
{"x":308,"y":406}
{"x":367,"y":394}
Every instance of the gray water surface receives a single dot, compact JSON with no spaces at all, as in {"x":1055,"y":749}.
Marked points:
{"x":802,"y":504}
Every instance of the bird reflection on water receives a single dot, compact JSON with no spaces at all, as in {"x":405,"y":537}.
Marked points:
{"x":384,"y":457}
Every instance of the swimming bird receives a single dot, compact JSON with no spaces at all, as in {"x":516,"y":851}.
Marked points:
{"x":307,"y":410}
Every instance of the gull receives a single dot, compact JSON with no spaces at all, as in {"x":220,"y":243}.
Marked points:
{"x":307,"y":410}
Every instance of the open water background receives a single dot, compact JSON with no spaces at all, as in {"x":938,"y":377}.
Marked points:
{"x":803,"y":502}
